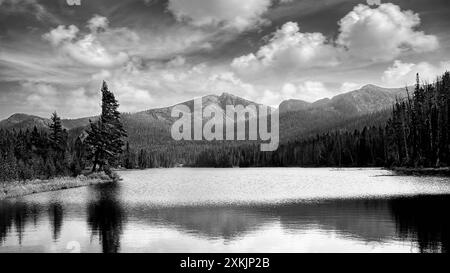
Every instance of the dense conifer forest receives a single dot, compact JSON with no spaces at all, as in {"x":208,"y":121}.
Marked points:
{"x":414,"y":133}
{"x":50,"y":152}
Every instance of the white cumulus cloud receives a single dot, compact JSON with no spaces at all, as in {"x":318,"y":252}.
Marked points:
{"x":60,"y":34}
{"x":383,"y":33}
{"x":95,"y":49}
{"x":290,"y":48}
{"x":98,"y":22}
{"x":89,"y":51}
{"x":367,"y":34}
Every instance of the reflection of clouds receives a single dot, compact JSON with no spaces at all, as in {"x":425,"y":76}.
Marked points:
{"x":365,"y":220}
{"x":211,"y":222}
{"x":269,"y":238}
{"x":336,"y":226}
{"x":368,"y":221}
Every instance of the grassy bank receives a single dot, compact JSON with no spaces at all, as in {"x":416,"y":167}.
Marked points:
{"x":21,"y":188}
{"x":423,"y":171}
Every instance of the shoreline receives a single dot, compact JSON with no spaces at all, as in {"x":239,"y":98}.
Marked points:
{"x":445,"y":172}
{"x":16,"y":189}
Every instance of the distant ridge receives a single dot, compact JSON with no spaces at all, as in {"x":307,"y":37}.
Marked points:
{"x":292,"y":105}
{"x":369,"y":98}
{"x":23,"y":121}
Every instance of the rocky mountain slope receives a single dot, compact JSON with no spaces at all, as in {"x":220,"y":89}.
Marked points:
{"x":369,"y":98}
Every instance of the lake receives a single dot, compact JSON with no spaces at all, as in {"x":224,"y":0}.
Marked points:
{"x":235,"y":210}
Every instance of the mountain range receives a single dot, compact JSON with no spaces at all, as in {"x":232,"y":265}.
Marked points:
{"x":367,"y":99}
{"x":297,"y":118}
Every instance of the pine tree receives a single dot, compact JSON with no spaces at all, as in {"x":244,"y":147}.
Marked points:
{"x":105,"y":136}
{"x":142,"y":159}
{"x":57,"y":134}
{"x":128,"y":158}
{"x":78,"y":155}
{"x":58,"y":141}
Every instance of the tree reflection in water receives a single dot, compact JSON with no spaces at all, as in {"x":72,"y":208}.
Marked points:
{"x":106,"y":217}
{"x":421,"y":220}
{"x":56,"y":217}
{"x":424,"y":219}
{"x":18,"y":215}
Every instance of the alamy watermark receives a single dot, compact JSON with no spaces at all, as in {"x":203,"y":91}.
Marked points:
{"x":233,"y":121}
{"x":73,"y":2}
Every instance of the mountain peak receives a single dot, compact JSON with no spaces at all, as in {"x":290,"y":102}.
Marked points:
{"x":20,"y":117}
{"x":370,"y":86}
{"x":226,"y":94}
{"x":230,"y":99}
{"x":373,"y":87}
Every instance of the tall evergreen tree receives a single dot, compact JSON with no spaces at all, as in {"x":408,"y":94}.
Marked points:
{"x":128,"y":158}
{"x":57,"y":134}
{"x":106,"y":135}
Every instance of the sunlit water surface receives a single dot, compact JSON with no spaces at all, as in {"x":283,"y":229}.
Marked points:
{"x":236,"y":210}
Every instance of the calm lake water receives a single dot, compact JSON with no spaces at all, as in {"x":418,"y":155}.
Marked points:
{"x":236,"y":210}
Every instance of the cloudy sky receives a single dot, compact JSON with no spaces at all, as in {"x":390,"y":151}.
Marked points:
{"x":154,"y":53}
